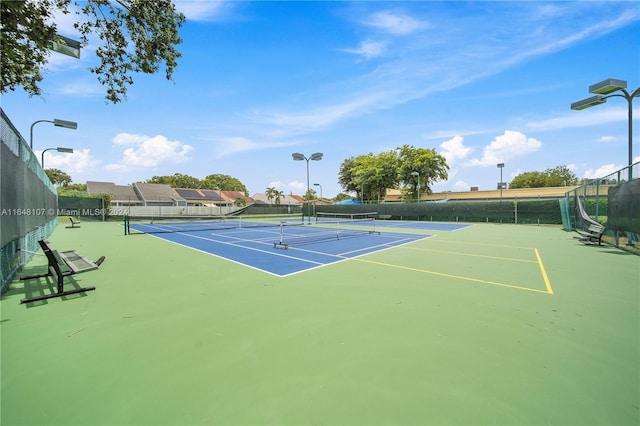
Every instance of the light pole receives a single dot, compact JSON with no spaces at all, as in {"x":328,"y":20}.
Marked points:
{"x":59,"y":149}
{"x":500,"y":166}
{"x":607,"y":87}
{"x":300,"y":157}
{"x":418,"y":175}
{"x":317,"y":184}
{"x":56,"y":122}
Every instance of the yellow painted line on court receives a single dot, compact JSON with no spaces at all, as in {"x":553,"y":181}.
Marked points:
{"x":407,"y":268}
{"x":544,"y":273}
{"x":470,"y":254}
{"x":440,"y":241}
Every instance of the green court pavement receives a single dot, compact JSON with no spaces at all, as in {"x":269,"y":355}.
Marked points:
{"x":494,"y":324}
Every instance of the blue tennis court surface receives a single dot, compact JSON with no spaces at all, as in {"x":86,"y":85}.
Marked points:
{"x":308,"y":247}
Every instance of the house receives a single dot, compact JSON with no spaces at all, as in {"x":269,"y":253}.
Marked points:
{"x":121,"y":195}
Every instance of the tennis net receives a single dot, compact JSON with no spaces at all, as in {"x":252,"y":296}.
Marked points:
{"x":173,"y":224}
{"x":327,"y":227}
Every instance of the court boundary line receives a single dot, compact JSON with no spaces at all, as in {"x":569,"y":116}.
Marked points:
{"x":442,"y":274}
{"x":340,"y":257}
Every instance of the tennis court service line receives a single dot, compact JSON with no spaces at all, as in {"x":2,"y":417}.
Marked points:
{"x":544,"y":272}
{"x":473,"y":255}
{"x":271,"y":252}
{"x":459,"y":277}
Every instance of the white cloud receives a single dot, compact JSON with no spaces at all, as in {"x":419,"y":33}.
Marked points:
{"x":508,"y":145}
{"x":149,"y":151}
{"x":454,"y":149}
{"x":202,"y":10}
{"x":605,"y":139}
{"x":298,"y":187}
{"x":399,"y":24}
{"x":601,"y":171}
{"x":80,"y":161}
{"x":588,"y":118}
{"x":129,"y":139}
{"x":234,"y":145}
{"x":368,"y":49}
{"x":461,"y":186}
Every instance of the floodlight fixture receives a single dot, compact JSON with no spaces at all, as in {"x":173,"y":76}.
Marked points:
{"x":56,"y":122}
{"x":59,"y":149}
{"x":64,"y":123}
{"x":588,"y":102}
{"x":604,"y":90}
{"x":317,"y":156}
{"x":608,"y":86}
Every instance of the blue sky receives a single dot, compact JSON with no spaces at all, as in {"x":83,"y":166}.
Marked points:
{"x":479,"y":82}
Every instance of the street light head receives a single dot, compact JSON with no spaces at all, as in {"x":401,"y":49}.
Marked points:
{"x":316,"y":184}
{"x":64,"y":123}
{"x":316,"y":156}
{"x":588,"y":103}
{"x":298,"y":157}
{"x":608,"y":86}
{"x":67,"y":150}
{"x":500,"y":165}
{"x":415,"y":174}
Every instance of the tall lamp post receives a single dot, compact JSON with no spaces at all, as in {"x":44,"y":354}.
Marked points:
{"x":314,"y":157}
{"x":501,"y":166}
{"x":59,"y":149}
{"x":603,"y":91}
{"x":317,"y":184}
{"x":56,"y":122}
{"x":418,"y":175}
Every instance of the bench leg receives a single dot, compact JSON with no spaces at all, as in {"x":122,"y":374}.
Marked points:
{"x":52,"y":295}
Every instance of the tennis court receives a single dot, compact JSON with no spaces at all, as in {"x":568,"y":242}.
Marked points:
{"x":482,"y":324}
{"x":283,"y":246}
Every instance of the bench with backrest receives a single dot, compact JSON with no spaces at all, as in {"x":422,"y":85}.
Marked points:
{"x":59,"y":266}
{"x":74,"y":223}
{"x":593,"y":234}
{"x":591,"y":231}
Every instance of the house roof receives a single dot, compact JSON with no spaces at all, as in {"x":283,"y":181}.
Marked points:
{"x":157,"y":192}
{"x":119,"y":192}
{"x":199,"y":194}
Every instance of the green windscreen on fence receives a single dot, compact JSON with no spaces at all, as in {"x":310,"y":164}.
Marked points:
{"x":28,"y":202}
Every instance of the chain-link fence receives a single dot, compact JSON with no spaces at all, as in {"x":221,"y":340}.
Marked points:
{"x":28,"y":202}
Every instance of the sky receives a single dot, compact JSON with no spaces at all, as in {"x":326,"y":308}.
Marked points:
{"x":479,"y":82}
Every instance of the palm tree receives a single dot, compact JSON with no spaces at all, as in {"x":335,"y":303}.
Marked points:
{"x":270,"y":193}
{"x":278,"y":196}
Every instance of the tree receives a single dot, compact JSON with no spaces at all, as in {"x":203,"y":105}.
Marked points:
{"x":137,"y":36}
{"x":557,"y":176}
{"x":278,"y":195}
{"x":75,"y":187}
{"x":342,"y":196}
{"x":369,"y":175}
{"x":178,"y":180}
{"x":224,"y":183}
{"x":270,"y":193}
{"x":561,"y":176}
{"x":58,"y":177}
{"x":373,"y":174}
{"x":431,"y":167}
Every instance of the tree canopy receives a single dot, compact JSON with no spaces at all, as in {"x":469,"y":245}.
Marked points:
{"x":58,"y":177}
{"x":135,"y":36}
{"x":553,"y":177}
{"x":369,"y":176}
{"x":213,"y":181}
